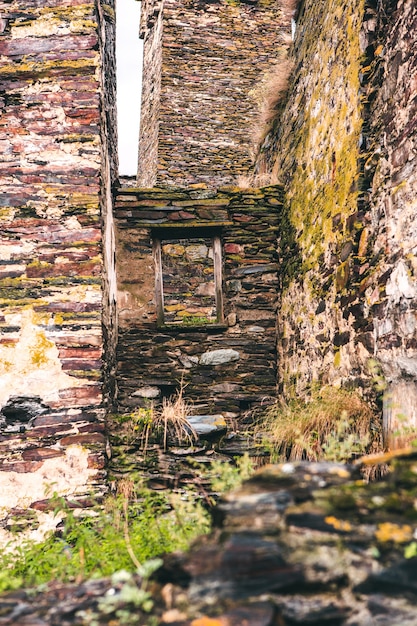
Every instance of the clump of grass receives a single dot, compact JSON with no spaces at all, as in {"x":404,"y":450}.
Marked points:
{"x":252,"y":180}
{"x":271,"y":95}
{"x":275,"y":90}
{"x":336,"y":424}
{"x":122,"y":533}
{"x":171,"y":420}
{"x":164,"y":424}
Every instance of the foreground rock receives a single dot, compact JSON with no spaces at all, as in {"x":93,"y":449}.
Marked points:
{"x":306,"y":543}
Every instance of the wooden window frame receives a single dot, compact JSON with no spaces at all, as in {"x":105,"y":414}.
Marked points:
{"x":158,"y":238}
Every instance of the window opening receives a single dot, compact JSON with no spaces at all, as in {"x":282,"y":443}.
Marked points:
{"x":188,"y":281}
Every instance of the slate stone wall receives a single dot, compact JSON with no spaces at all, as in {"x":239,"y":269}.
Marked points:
{"x":225,"y":366}
{"x":206,"y":68}
{"x":390,"y":233}
{"x":344,"y":145}
{"x":57,"y":170}
{"x":151,"y":27}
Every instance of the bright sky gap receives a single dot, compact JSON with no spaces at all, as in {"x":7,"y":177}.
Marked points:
{"x":129,"y":72}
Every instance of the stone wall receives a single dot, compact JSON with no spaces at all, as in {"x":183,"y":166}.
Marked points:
{"x":344,"y":145}
{"x":297,"y":544}
{"x":225,"y":357}
{"x":151,"y":33}
{"x":58,"y":162}
{"x":200,"y":115}
{"x":390,"y":233}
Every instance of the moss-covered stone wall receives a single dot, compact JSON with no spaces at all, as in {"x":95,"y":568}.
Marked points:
{"x":314,"y":149}
{"x":58,"y":166}
{"x":206,"y":66}
{"x":343,"y":144}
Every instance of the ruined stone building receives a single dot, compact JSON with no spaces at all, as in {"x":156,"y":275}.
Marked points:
{"x":110,"y":296}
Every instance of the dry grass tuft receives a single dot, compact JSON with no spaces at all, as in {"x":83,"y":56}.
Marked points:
{"x":270,"y":95}
{"x":166,"y":424}
{"x":275,"y":90}
{"x":171,"y":419}
{"x":336,"y":424}
{"x":289,"y":5}
{"x":255,"y":181}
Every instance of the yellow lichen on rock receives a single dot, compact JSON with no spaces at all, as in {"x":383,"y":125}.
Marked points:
{"x":394,"y":532}
{"x":32,"y":364}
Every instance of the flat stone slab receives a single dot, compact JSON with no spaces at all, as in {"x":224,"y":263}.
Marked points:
{"x":207,"y":424}
{"x":218,"y":357}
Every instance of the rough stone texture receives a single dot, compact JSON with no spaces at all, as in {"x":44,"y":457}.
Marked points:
{"x":206,"y":67}
{"x":390,"y":172}
{"x":344,"y":145}
{"x":314,"y":148}
{"x":151,"y":32}
{"x":207,"y":424}
{"x":227,"y":366}
{"x":57,"y":167}
{"x":305,"y":543}
{"x":188,"y":279}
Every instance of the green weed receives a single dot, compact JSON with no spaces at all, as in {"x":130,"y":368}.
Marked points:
{"x":126,"y":596}
{"x":121,"y":535}
{"x":225,"y":477}
{"x":195,"y":320}
{"x":124,"y":533}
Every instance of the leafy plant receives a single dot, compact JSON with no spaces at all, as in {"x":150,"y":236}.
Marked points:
{"x":124,"y":533}
{"x":225,"y":476}
{"x":124,"y":597}
{"x":134,"y":427}
{"x":195,"y":320}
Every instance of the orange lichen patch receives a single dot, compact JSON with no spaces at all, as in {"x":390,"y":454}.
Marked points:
{"x":208,"y":621}
{"x":385,"y":457}
{"x":340,"y":471}
{"x":338,"y":524}
{"x":394,"y":532}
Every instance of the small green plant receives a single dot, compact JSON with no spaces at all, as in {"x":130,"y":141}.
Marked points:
{"x":195,"y":320}
{"x":126,"y":531}
{"x":336,"y":424}
{"x":410,"y":551}
{"x":125,"y":597}
{"x":10,"y":581}
{"x":344,"y":442}
{"x":134,"y":427}
{"x":225,"y":476}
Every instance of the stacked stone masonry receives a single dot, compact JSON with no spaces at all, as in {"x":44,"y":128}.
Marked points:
{"x":344,"y":146}
{"x":207,"y":67}
{"x":228,"y":362}
{"x":57,"y":165}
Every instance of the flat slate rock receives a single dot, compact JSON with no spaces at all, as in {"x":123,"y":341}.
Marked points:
{"x":207,"y":424}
